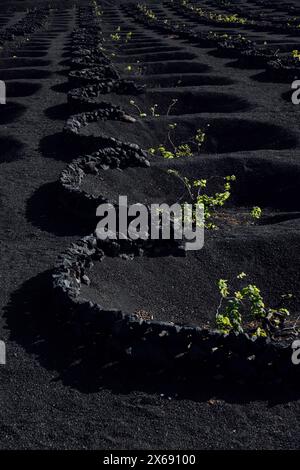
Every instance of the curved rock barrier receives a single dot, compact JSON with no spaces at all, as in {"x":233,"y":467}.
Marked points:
{"x":130,"y":338}
{"x":226,"y":135}
{"x":88,"y":97}
{"x":92,"y":75}
{"x":248,"y":53}
{"x":80,"y":202}
{"x":95,"y":179}
{"x":156,"y":344}
{"x":35,"y":19}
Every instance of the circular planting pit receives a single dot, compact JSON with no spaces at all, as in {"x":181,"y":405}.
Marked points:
{"x":161,"y":288}
{"x":158,"y":57}
{"x":140,"y":185}
{"x":22,"y":62}
{"x":11,"y":74}
{"x":265,"y":183}
{"x":10,"y":149}
{"x":11,"y":111}
{"x":59,"y":30}
{"x":176,"y":103}
{"x":85,"y":184}
{"x":31,"y":53}
{"x":37,"y":45}
{"x":273,"y":186}
{"x":223,"y":135}
{"x":146,"y":50}
{"x":156,"y":68}
{"x":46,"y":35}
{"x":21,"y":89}
{"x":233,"y":135}
{"x":149,"y":43}
{"x":185,"y":80}
{"x":284,"y":70}
{"x":179,"y":289}
{"x":137,"y":36}
{"x":103,"y":291}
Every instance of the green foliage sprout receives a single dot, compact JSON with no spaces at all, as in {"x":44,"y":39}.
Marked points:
{"x":184,"y":149}
{"x":247,"y":301}
{"x":296,"y":54}
{"x":216,"y":17}
{"x":117,"y":37}
{"x":146,"y":11}
{"x":195,"y":190}
{"x":256,"y":212}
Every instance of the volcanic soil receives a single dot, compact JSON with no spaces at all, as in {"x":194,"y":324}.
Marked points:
{"x":49,"y":400}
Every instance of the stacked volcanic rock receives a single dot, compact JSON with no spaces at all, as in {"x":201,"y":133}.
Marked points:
{"x":33,"y":20}
{"x":157,"y":344}
{"x":94,"y":75}
{"x":127,"y":337}
{"x":115,"y":154}
{"x":87,"y":108}
{"x":285,"y":69}
{"x":88,"y":93}
{"x":246,"y":51}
